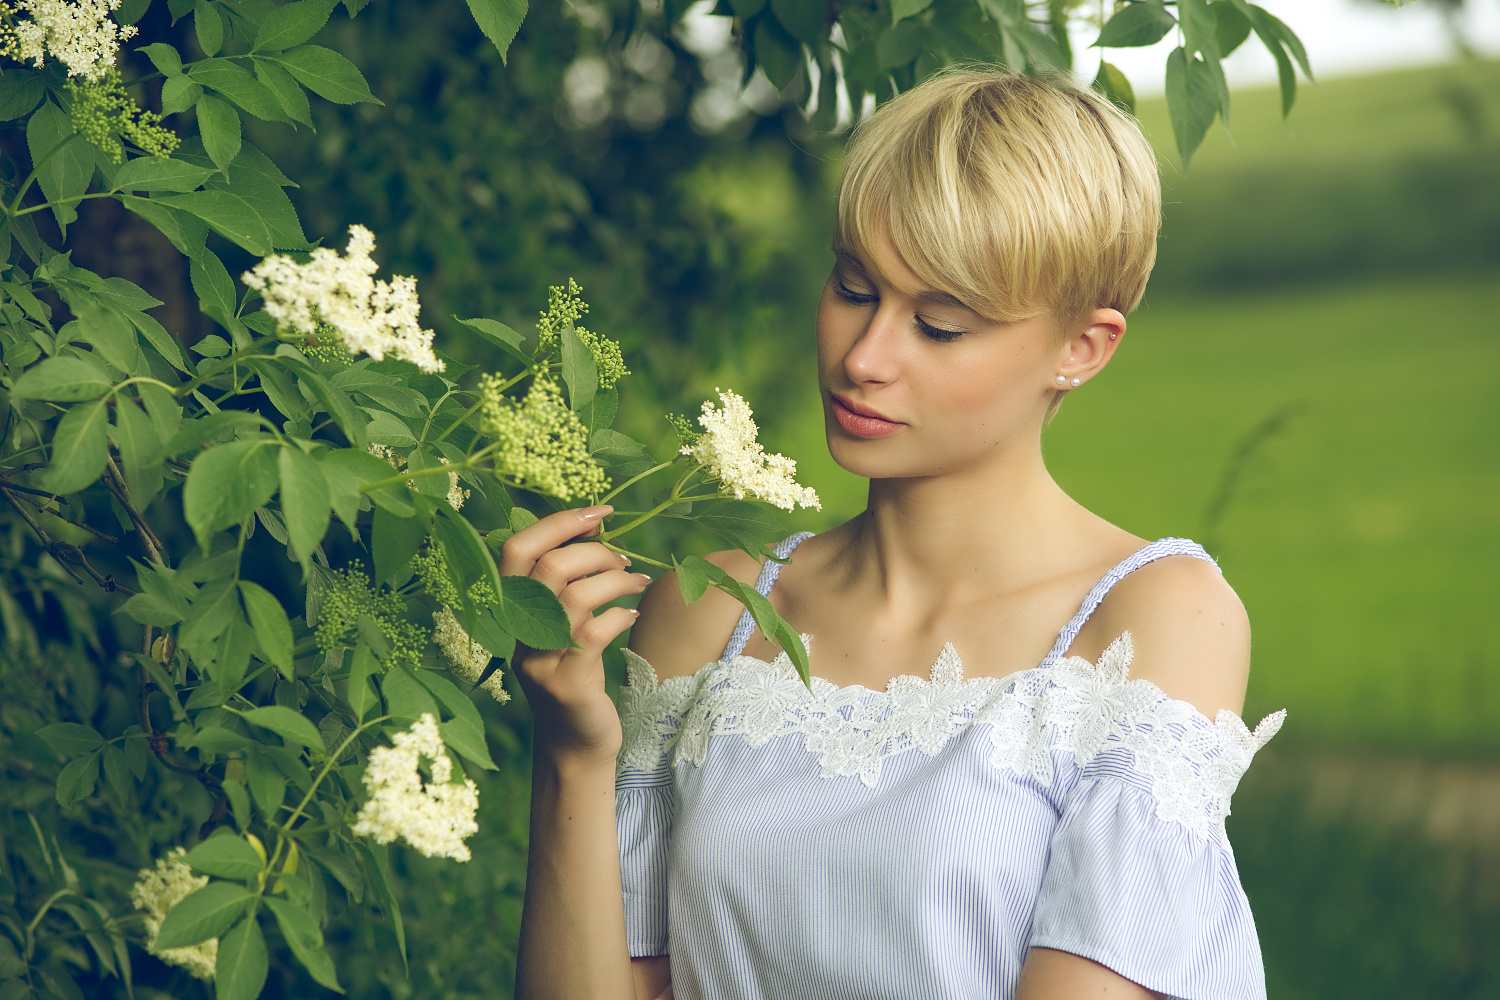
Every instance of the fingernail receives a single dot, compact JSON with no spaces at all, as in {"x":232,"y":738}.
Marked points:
{"x":624,"y":559}
{"x":642,"y":577}
{"x":595,"y":513}
{"x":633,"y":612}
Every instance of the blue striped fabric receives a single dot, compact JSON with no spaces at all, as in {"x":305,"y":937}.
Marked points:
{"x":763,"y":878}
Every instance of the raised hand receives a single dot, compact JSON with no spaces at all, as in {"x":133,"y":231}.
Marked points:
{"x":575,"y":717}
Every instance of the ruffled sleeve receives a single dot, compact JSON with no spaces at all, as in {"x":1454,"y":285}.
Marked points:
{"x":1141,"y":877}
{"x":645,"y":803}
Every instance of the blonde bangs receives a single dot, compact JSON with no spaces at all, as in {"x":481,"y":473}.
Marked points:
{"x":1017,"y":195}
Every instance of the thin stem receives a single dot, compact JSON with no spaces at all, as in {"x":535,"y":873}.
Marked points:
{"x":457,"y":423}
{"x":673,"y":497}
{"x":632,"y":481}
{"x":243,"y":352}
{"x":37,"y":920}
{"x":115,"y":483}
{"x":333,"y":758}
{"x":636,"y":557}
{"x":36,"y":169}
{"x":61,"y":201}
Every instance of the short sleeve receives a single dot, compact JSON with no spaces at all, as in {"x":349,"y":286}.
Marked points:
{"x":645,"y":799}
{"x":1156,"y":902}
{"x":1141,"y":876}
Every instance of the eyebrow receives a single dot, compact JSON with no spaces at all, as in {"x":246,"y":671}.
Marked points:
{"x":930,"y":295}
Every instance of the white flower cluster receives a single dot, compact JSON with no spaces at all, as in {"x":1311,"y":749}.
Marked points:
{"x":728,"y":447}
{"x":329,"y":291}
{"x":467,"y":657}
{"x":435,"y":817}
{"x":77,"y":33}
{"x":156,"y":891}
{"x":456,"y":493}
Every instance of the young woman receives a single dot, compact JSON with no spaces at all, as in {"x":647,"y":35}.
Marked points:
{"x":1010,"y":777}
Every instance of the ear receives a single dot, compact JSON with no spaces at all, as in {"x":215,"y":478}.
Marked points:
{"x":1091,"y":345}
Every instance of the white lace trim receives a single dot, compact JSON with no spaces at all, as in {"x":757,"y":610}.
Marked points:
{"x":1076,"y":708}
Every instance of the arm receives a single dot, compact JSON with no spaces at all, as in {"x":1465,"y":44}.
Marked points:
{"x":1192,"y":640}
{"x":573,"y":924}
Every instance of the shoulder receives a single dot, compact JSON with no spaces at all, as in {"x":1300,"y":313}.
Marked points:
{"x":1188,"y":627}
{"x":677,"y":638}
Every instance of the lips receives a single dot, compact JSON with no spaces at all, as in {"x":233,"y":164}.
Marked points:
{"x":861,"y":421}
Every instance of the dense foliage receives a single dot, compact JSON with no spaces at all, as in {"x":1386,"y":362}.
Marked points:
{"x":220,"y":705}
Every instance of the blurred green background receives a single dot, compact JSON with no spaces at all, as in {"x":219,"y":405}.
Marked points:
{"x":1311,"y":389}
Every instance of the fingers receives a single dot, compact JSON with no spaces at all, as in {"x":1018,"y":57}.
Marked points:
{"x":596,"y":633}
{"x":559,"y":567}
{"x":522,"y":550}
{"x":581,"y":597}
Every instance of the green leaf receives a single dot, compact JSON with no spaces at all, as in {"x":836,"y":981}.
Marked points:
{"x":19,"y":94}
{"x":1145,"y":22}
{"x":240,"y":971}
{"x":204,"y":914}
{"x":394,"y":540}
{"x":280,"y":389}
{"x":214,"y":739}
{"x":745,"y":524}
{"x":160,"y":340}
{"x":578,"y":368}
{"x":196,"y":433}
{"x":1199,"y":26}
{"x":807,"y":22}
{"x":466,"y":551}
{"x":361,"y":665}
{"x":387,"y":428}
{"x":209,"y":615}
{"x":238,"y":85}
{"x":287,"y":724}
{"x":304,"y":501}
{"x":62,"y":172}
{"x":427,"y":458}
{"x":239,"y":802}
{"x":158,"y":173}
{"x":116,"y":771}
{"x":227,"y":214}
{"x":338,"y":405}
{"x":186,"y":232}
{"x":465,"y":731}
{"x":692,"y":580}
{"x":267,"y":784}
{"x":162,"y":408}
{"x":164,"y":57}
{"x":375,"y":872}
{"x":777,"y":53}
{"x":254,"y":178}
{"x":226,"y":483}
{"x":208,"y":25}
{"x":530,"y":611}
{"x":1192,"y":101}
{"x":499,"y":20}
{"x":500,"y":335}
{"x":105,"y":329}
{"x":178,"y":94}
{"x":76,"y":781}
{"x":327,"y":74}
{"x":268,"y":619}
{"x":293,"y":24}
{"x":216,"y":297}
{"x":219,"y":126}
{"x":148,"y":609}
{"x":64,"y":379}
{"x":766,"y":618}
{"x":1114,"y":85}
{"x":404,"y":697}
{"x":901,"y":9}
{"x":287,"y":90}
{"x":225,"y":857}
{"x":71,"y":738}
{"x":484,"y":628}
{"x":305,"y":938}
{"x":1231,"y":26}
{"x":362,"y":468}
{"x":79,"y":448}
{"x":135,"y":437}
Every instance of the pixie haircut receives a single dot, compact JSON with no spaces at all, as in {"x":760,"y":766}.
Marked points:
{"x":1018,"y":195}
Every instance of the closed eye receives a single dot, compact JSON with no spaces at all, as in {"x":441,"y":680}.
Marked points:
{"x":852,"y":296}
{"x":938,"y":333}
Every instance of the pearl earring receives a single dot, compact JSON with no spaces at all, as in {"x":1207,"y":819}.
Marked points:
{"x":1114,"y":336}
{"x":1077,"y":382}
{"x":1062,"y":380}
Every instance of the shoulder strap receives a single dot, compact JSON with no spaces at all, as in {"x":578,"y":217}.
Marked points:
{"x":768,"y":574}
{"x":1148,"y":553}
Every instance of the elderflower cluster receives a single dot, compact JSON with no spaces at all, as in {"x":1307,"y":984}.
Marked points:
{"x":77,"y":33}
{"x":564,"y":306}
{"x":347,"y":595}
{"x":733,"y":456}
{"x":101,"y":111}
{"x":340,"y":293}
{"x":156,"y":891}
{"x":543,"y":444}
{"x":456,"y":493}
{"x":434,"y":817}
{"x":467,"y":657}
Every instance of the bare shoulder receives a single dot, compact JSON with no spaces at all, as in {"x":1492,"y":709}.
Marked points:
{"x":677,"y":638}
{"x":1189,"y":629}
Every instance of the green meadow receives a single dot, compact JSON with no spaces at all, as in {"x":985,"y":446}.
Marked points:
{"x":1330,"y":434}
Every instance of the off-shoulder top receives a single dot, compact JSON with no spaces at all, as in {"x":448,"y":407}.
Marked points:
{"x":914,"y":842}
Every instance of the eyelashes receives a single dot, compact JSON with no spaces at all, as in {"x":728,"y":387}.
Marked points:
{"x":937,"y":333}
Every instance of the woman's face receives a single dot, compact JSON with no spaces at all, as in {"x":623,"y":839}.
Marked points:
{"x":915,"y":383}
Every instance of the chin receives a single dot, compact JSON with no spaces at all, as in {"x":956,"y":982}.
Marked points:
{"x":881,"y":458}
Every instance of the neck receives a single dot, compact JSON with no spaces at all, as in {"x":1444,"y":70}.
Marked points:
{"x":999,"y":524}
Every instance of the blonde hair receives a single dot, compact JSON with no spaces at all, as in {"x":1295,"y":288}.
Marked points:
{"x":1018,"y":195}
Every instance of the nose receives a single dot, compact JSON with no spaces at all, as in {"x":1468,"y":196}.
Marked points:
{"x":874,"y":358}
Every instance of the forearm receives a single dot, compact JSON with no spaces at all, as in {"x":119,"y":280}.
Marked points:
{"x":573,"y":926}
{"x":1058,"y":975}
